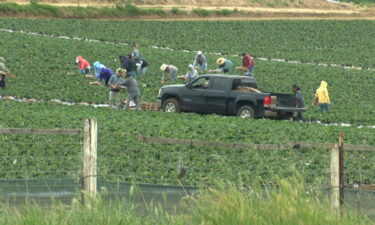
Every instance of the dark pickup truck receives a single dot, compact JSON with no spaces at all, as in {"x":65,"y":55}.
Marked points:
{"x":226,"y":95}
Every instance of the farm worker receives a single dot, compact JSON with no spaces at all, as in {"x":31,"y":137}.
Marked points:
{"x":135,"y":53}
{"x":102,"y":72}
{"x":114,"y":93}
{"x":123,"y":61}
{"x":133,"y":92}
{"x":3,"y":72}
{"x":97,"y":67}
{"x":191,"y":74}
{"x":131,"y":66}
{"x":300,"y":102}
{"x":322,"y":97}
{"x":82,"y":65}
{"x":105,"y":75}
{"x":142,"y":66}
{"x":247,"y":65}
{"x":225,"y":65}
{"x":171,"y":69}
{"x":200,"y":61}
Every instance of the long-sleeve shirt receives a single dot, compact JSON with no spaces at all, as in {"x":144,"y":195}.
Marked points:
{"x":141,"y":62}
{"x":227,"y":66}
{"x":247,"y":61}
{"x":82,"y":63}
{"x":172,"y":69}
{"x":131,"y":66}
{"x":115,"y":80}
{"x":144,"y":63}
{"x":322,"y":93}
{"x":97,"y":68}
{"x":105,"y":74}
{"x":191,"y":74}
{"x":135,"y":54}
{"x":199,"y":60}
{"x":3,"y":68}
{"x":124,"y":62}
{"x":131,"y":86}
{"x":300,"y":102}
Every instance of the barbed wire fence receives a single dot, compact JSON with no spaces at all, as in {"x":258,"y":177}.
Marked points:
{"x":166,"y":170}
{"x":38,"y":165}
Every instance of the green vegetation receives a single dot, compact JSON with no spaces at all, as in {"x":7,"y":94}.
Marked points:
{"x":121,"y":156}
{"x":335,"y":42}
{"x":223,"y":205}
{"x":42,"y":73}
{"x":201,"y":12}
{"x":361,"y":2}
{"x":121,"y":10}
{"x":42,"y":65}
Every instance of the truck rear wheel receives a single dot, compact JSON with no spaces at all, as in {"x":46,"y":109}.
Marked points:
{"x":246,"y":112}
{"x":171,"y":105}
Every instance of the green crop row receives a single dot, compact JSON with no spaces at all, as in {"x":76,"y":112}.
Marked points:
{"x":42,"y":65}
{"x":122,"y":156}
{"x":334,"y":42}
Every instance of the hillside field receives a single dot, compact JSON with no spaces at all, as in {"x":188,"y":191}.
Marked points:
{"x":41,"y":52}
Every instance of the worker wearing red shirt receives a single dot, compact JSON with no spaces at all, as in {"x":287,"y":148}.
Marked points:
{"x":82,"y":65}
{"x":248,"y":63}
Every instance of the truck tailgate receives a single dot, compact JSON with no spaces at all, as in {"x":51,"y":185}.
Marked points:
{"x":284,"y":102}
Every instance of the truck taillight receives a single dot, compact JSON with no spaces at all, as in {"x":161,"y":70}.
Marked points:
{"x":267,"y":101}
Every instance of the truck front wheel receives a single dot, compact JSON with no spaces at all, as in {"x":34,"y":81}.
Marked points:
{"x":246,"y":112}
{"x":171,"y":105}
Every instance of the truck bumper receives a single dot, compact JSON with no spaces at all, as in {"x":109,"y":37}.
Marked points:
{"x":282,"y":112}
{"x":270,"y":113}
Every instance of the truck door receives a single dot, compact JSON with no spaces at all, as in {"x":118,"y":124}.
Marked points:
{"x":193,"y":98}
{"x":216,"y":96}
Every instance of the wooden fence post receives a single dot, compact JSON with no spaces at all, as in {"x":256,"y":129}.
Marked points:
{"x":89,"y":160}
{"x":335,"y":179}
{"x":341,"y":169}
{"x":337,"y":175}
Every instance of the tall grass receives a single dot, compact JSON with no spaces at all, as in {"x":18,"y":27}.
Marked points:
{"x":227,"y":204}
{"x":288,"y":204}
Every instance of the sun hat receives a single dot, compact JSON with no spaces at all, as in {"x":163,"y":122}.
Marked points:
{"x":220,"y":61}
{"x":163,"y":67}
{"x":190,"y":66}
{"x":120,"y":70}
{"x":199,"y":52}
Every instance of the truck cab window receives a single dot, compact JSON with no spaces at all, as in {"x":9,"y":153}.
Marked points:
{"x":220,"y":84}
{"x":201,"y":82}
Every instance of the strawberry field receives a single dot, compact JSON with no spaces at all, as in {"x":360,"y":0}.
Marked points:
{"x":328,"y":41}
{"x":43,"y":63}
{"x":122,"y":156}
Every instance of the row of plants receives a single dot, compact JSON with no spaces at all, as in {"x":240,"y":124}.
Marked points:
{"x":44,"y":65}
{"x":334,"y":42}
{"x":122,"y":156}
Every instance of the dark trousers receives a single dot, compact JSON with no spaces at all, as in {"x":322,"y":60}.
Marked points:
{"x":323,"y":107}
{"x":297,"y":116}
{"x":2,"y":82}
